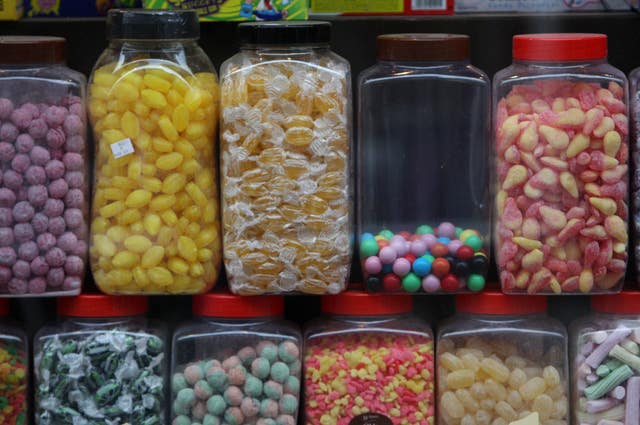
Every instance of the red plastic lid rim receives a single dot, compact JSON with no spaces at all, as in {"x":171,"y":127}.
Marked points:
{"x":558,"y":47}
{"x":626,"y":302}
{"x":99,"y":305}
{"x":358,"y":303}
{"x":497,"y":303}
{"x":235,"y":306}
{"x":4,"y":307}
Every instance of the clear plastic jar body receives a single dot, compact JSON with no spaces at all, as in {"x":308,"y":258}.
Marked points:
{"x":154,"y":106}
{"x":285,"y":158}
{"x":14,"y":379}
{"x":605,"y":383}
{"x":384,"y":364}
{"x":236,"y":371}
{"x":502,"y":368}
{"x":634,"y":80}
{"x":561,"y":156}
{"x":109,"y":368}
{"x":414,"y":139}
{"x":45,"y":180}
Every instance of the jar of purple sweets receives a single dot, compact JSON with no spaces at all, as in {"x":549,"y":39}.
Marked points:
{"x":43,"y":169}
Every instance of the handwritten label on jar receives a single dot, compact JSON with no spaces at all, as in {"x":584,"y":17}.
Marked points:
{"x":122,"y":148}
{"x":371,"y":419}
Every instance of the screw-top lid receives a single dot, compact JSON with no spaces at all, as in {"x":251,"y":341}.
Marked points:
{"x":423,"y":47}
{"x":235,"y":306}
{"x":560,"y":47}
{"x":626,"y":302}
{"x":32,"y":49}
{"x":4,"y":307}
{"x":142,"y":24}
{"x":98,"y":305}
{"x":497,"y":303}
{"x":358,"y":303}
{"x":284,"y":33}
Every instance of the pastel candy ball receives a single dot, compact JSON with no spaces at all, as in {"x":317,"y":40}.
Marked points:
{"x":23,"y":232}
{"x":253,"y":386}
{"x":216,"y":405}
{"x":71,"y":283}
{"x":39,"y":266}
{"x":58,"y":188}
{"x":268,"y":351}
{"x":12,"y":180}
{"x":429,"y":239}
{"x":199,"y":410}
{"x":237,"y":375}
{"x":20,"y":163}
{"x":178,"y":382}
{"x":387,"y":255}
{"x":373,"y":265}
{"x":400,"y":247}
{"x":285,"y":420}
{"x":39,"y":156}
{"x":273,"y":390}
{"x":279,"y":372}
{"x":21,"y":269}
{"x":37,"y":195}
{"x":18,"y":286}
{"x":202,"y":390}
{"x":266,"y":421}
{"x":431,"y":283}
{"x":7,"y":197}
{"x":54,"y":169}
{"x":181,"y":420}
{"x":418,"y":247}
{"x":233,"y":416}
{"x":56,"y":258}
{"x":72,"y":125}
{"x":37,"y":285}
{"x":23,"y":212}
{"x":74,"y":198}
{"x":288,"y":351}
{"x":453,"y":246}
{"x":295,"y":367}
{"x":233,"y":396}
{"x":186,"y":397}
{"x":28,"y":250}
{"x":40,"y":222}
{"x":250,"y":407}
{"x":217,"y":378}
{"x":55,"y":277}
{"x":6,"y":236}
{"x":401,"y":266}
{"x":8,"y":132}
{"x":53,"y":208}
{"x":57,"y":226}
{"x":260,"y":368}
{"x":7,"y":151}
{"x":247,"y":355}
{"x":209,"y":420}
{"x":7,"y":256}
{"x":292,"y":385}
{"x":446,"y":229}
{"x":288,"y":404}
{"x":269,"y":408}
{"x":230,"y":363}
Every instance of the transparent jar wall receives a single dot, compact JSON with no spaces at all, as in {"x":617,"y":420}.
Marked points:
{"x":426,"y":155}
{"x":502,"y":368}
{"x":44,"y":187}
{"x":385,"y":363}
{"x":14,"y":361}
{"x":285,"y":158}
{"x":236,"y":371}
{"x":114,"y":367}
{"x":634,"y":79}
{"x":604,"y":386}
{"x":561,"y":205}
{"x":153,"y":108}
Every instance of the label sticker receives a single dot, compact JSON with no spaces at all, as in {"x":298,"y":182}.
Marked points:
{"x":370,"y":419}
{"x":122,"y":148}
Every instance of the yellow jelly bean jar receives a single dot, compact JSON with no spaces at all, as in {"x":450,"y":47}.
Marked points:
{"x":153,"y":105}
{"x":285,"y":161}
{"x":501,"y":361}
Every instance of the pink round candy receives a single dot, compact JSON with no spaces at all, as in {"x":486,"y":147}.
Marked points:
{"x":71,"y":283}
{"x":430,"y":283}
{"x":5,"y":275}
{"x":24,"y":143}
{"x":373,"y":265}
{"x":233,"y":396}
{"x":55,"y":277}
{"x":418,"y":247}
{"x":55,"y":138}
{"x":192,"y":374}
{"x":21,"y":269}
{"x":40,"y":222}
{"x":401,"y":266}
{"x":55,"y":257}
{"x":75,"y":179}
{"x":8,"y":132}
{"x":57,"y":226}
{"x":397,"y":239}
{"x":28,"y":251}
{"x":46,"y":241}
{"x":54,"y":169}
{"x":6,"y":107}
{"x":40,"y":155}
{"x":237,"y":376}
{"x":7,"y":152}
{"x":454,"y":245}
{"x":38,"y":128}
{"x":6,"y":236}
{"x":55,"y":116}
{"x":23,"y":232}
{"x":400,"y":248}
{"x":446,"y":229}
{"x":74,"y":265}
{"x":12,"y":180}
{"x":250,"y":407}
{"x":37,"y":195}
{"x":21,"y":117}
{"x":72,"y":125}
{"x":387,"y":255}
{"x":75,"y":144}
{"x":39,"y":266}
{"x":18,"y":286}
{"x":58,"y":188}
{"x":20,"y":163}
{"x":429,"y":239}
{"x":73,"y":218}
{"x":6,"y":217}
{"x":74,"y":198}
{"x":37,"y":285}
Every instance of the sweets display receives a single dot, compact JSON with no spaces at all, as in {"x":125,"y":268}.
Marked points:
{"x":14,"y":377}
{"x":634,"y":79}
{"x":238,"y":10}
{"x":155,"y":222}
{"x":562,"y":153}
{"x":285,"y":136}
{"x":43,"y":171}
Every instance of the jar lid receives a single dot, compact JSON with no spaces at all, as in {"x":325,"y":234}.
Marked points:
{"x":99,"y":305}
{"x":358,"y":303}
{"x":139,"y":24}
{"x":423,"y":47}
{"x":4,"y":307}
{"x":497,"y":303}
{"x":30,"y":49}
{"x":626,"y":302}
{"x":560,"y":47}
{"x":284,"y":33}
{"x":235,"y":306}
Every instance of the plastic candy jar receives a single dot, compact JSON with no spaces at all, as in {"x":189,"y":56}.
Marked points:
{"x":415,"y":138}
{"x":153,"y":99}
{"x":285,"y":161}
{"x":14,"y":376}
{"x":103,"y":362}
{"x":606,"y":361}
{"x":500,"y":360}
{"x":43,"y":169}
{"x":561,"y":132}
{"x":368,"y":361}
{"x":238,"y":362}
{"x":634,"y":79}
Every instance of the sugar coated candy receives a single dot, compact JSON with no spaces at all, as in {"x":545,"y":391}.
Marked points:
{"x":13,"y":381}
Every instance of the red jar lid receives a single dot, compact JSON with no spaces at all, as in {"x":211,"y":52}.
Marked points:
{"x":497,"y":303}
{"x":560,"y":47}
{"x":4,"y":307}
{"x":235,"y":306}
{"x":358,"y":303}
{"x":30,"y":49}
{"x":99,"y":305}
{"x":423,"y":47}
{"x":626,"y":302}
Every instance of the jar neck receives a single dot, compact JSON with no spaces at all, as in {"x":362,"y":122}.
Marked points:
{"x":150,"y":45}
{"x":101,"y":321}
{"x":280,"y":49}
{"x":502,"y":317}
{"x":238,"y":321}
{"x":559,"y":64}
{"x":422,"y":64}
{"x":368,"y":319}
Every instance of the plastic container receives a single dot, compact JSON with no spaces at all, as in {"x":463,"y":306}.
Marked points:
{"x":14,"y":365}
{"x":501,"y":359}
{"x":368,"y":360}
{"x":424,"y":152}
{"x":153,"y":99}
{"x":43,"y":168}
{"x":285,"y":161}
{"x":237,"y":362}
{"x":562,"y":174}
{"x":103,"y":359}
{"x":604,"y":354}
{"x":634,"y":79}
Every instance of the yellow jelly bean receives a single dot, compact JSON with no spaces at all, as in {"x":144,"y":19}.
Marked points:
{"x":156,"y":83}
{"x":165,"y":235}
{"x":112,"y":209}
{"x":161,"y":145}
{"x":161,"y":202}
{"x":207,"y":237}
{"x":173,"y":183}
{"x":130,"y":125}
{"x":125,"y":92}
{"x":178,"y":265}
{"x":196,"y":194}
{"x":117,"y":233}
{"x":180,"y":117}
{"x":167,"y":128}
{"x":187,"y":249}
{"x":160,"y":276}
{"x":169,"y":217}
{"x":192,"y":213}
{"x":138,"y":198}
{"x":196,"y":270}
{"x":205,"y":254}
{"x":152,"y":257}
{"x":140,"y":277}
{"x":104,"y":246}
{"x":137,"y":243}
{"x":153,"y":99}
{"x":152,"y":224}
{"x":125,"y":259}
{"x":151,"y":184}
{"x":169,"y":161}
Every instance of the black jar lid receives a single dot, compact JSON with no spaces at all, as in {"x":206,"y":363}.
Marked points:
{"x":30,"y":49}
{"x":284,"y":33}
{"x":423,"y":47}
{"x":139,"y":24}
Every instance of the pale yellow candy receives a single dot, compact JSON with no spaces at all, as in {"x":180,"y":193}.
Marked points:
{"x":495,"y":369}
{"x":178,"y":265}
{"x":160,"y":276}
{"x":137,"y":243}
{"x":153,"y":99}
{"x":551,"y":376}
{"x":517,"y":378}
{"x":462,"y":378}
{"x":543,"y":404}
{"x":117,"y":233}
{"x":152,"y":257}
{"x":152,"y":224}
{"x":505,"y":411}
{"x":138,"y":198}
{"x":125,"y":259}
{"x":450,"y":404}
{"x":495,"y":390}
{"x":532,"y":388}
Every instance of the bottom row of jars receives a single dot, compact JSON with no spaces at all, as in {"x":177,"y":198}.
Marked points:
{"x":499,"y":361}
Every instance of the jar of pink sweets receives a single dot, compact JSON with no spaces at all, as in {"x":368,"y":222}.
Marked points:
{"x":561,"y":127}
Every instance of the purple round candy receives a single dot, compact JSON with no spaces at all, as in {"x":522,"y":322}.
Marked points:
{"x":55,"y":257}
{"x":74,"y":265}
{"x":6,"y":217}
{"x":429,"y":239}
{"x":373,"y":265}
{"x":401,"y":266}
{"x":71,"y":283}
{"x":24,"y":143}
{"x":12,"y":180}
{"x":81,"y":232}
{"x":75,"y":179}
{"x":447,"y":230}
{"x":400,"y":247}
{"x":57,"y":226}
{"x":37,"y":195}
{"x":23,"y":212}
{"x":418,"y":247}
{"x":74,"y":199}
{"x":430,"y":283}
{"x":5,"y":275}
{"x":7,"y":198}
{"x":6,"y":236}
{"x":55,"y":277}
{"x":453,"y":246}
{"x":73,"y":218}
{"x":66,"y":241}
{"x":387,"y":255}
{"x":58,"y":188}
{"x":40,"y":222}
{"x":21,"y":269}
{"x":35,"y":175}
{"x":37,"y":285}
{"x":76,"y":107}
{"x":38,"y":128}
{"x":46,"y":241}
{"x":54,"y":169}
{"x":23,"y":232}
{"x":73,"y":161}
{"x":7,"y":256}
{"x":57,"y":154}
{"x":55,"y":138}
{"x":20,"y":163}
{"x":7,"y":152}
{"x":8,"y":132}
{"x":21,"y":194}
{"x":75,"y":144}
{"x":53,"y":207}
{"x":6,"y":107}
{"x":21,"y":117}
{"x":28,"y":251}
{"x":40,"y":155}
{"x":39,"y":266}
{"x":55,"y":115}
{"x":72,"y":125}
{"x":80,"y":249}
{"x":18,"y":286}
{"x":32,"y":109}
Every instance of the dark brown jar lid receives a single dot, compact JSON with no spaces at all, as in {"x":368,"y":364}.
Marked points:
{"x":31,"y":49}
{"x":423,"y":47}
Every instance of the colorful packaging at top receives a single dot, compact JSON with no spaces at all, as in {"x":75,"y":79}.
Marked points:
{"x":153,"y":104}
{"x":79,"y":8}
{"x":502,"y":361}
{"x":14,"y":374}
{"x":238,"y":10}
{"x":634,"y":79}
{"x":561,"y":132}
{"x":423,"y":180}
{"x":237,"y":363}
{"x":285,"y":161}
{"x":368,"y":361}
{"x":605,"y":359}
{"x":44,"y":176}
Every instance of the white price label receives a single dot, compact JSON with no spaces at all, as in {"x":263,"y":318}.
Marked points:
{"x":122,"y":148}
